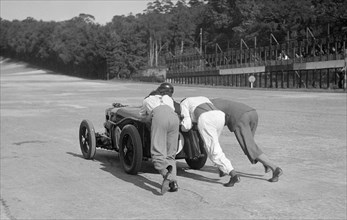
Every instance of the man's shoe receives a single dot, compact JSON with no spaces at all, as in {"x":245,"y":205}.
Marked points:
{"x":232,"y":181}
{"x":221,"y":173}
{"x":266,"y":168}
{"x":276,"y":174}
{"x":173,"y":186}
{"x":165,"y":185}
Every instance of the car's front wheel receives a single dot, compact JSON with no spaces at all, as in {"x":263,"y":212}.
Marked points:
{"x":87,"y":139}
{"x":130,"y":149}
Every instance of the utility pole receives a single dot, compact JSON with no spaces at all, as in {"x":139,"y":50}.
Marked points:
{"x":255,"y":48}
{"x":200,"y":41}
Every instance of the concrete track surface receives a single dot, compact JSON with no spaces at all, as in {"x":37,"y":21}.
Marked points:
{"x":43,"y":175}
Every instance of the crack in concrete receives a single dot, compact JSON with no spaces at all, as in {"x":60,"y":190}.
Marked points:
{"x":201,"y":198}
{"x":7,"y":209}
{"x":29,"y":142}
{"x":13,"y":157}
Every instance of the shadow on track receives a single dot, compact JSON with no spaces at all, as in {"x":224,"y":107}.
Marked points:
{"x":211,"y":169}
{"x":183,"y":171}
{"x":110,"y":163}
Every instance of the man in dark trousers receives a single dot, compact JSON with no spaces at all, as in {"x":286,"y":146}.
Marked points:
{"x":243,"y":120}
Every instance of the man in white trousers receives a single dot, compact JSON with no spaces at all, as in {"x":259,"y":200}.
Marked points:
{"x":210,"y":122}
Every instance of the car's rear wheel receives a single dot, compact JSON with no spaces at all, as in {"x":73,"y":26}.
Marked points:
{"x":87,"y":139}
{"x":130,"y":149}
{"x":198,"y":163}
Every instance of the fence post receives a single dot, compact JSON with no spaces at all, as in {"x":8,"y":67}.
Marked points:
{"x":328,"y":80}
{"x":320,"y":78}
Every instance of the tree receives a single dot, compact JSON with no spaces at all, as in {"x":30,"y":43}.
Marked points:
{"x":156,"y":23}
{"x":125,"y":48}
{"x":332,"y":14}
{"x":181,"y":28}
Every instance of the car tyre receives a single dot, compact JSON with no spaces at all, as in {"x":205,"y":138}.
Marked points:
{"x":87,"y":139}
{"x":130,"y":149}
{"x":198,"y":163}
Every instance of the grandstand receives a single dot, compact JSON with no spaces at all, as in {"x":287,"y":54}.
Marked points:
{"x":309,"y":63}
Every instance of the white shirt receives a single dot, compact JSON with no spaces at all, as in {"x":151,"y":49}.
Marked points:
{"x":153,"y":101}
{"x":187,"y":110}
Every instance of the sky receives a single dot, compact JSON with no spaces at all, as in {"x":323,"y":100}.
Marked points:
{"x":60,"y":10}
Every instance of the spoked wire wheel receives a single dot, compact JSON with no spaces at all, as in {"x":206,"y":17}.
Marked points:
{"x":130,"y":149}
{"x":87,"y":139}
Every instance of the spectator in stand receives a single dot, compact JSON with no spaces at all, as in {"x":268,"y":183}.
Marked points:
{"x":285,"y":56}
{"x":332,"y":50}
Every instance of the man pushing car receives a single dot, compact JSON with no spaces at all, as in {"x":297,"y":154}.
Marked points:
{"x":159,"y":109}
{"x":210,"y":122}
{"x":242,"y":120}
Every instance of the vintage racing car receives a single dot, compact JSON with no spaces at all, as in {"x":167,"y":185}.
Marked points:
{"x":127,"y":134}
